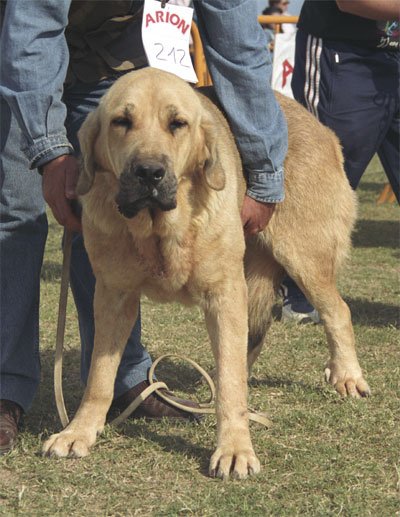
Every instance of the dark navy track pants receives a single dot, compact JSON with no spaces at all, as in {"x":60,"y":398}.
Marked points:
{"x":355,"y":92}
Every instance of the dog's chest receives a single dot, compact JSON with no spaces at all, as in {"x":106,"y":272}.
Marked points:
{"x":167,"y":263}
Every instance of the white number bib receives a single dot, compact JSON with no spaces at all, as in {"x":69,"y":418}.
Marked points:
{"x":165,"y":35}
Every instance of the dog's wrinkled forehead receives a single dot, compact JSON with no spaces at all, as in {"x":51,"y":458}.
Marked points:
{"x":150,"y":91}
{"x":137,"y":111}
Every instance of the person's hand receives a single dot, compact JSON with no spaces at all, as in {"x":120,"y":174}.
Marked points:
{"x":255,"y":215}
{"x":60,"y":177}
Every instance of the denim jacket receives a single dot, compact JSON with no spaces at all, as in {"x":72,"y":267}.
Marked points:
{"x":34,"y":64}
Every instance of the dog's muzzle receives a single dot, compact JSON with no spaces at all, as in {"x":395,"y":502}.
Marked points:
{"x":146,"y":185}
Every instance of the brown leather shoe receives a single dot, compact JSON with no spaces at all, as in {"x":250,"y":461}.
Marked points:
{"x":154,"y":406}
{"x":10,"y":415}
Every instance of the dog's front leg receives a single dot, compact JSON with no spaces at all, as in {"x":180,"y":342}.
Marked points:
{"x":226,"y":318}
{"x":115,"y":313}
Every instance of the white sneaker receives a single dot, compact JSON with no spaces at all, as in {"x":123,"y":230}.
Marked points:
{"x":288,"y":314}
{"x":295,"y":306}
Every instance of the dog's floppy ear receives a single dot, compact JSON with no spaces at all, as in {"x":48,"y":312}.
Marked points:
{"x":87,"y":139}
{"x":212,"y":169}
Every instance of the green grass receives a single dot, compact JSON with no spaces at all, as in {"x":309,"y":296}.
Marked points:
{"x":323,"y":456}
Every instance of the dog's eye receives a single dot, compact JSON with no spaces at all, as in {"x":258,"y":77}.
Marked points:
{"x":124,"y":122}
{"x":176,"y":124}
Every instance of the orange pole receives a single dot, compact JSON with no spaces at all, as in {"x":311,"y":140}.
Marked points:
{"x":199,"y":61}
{"x":387,"y":195}
{"x":263,"y":19}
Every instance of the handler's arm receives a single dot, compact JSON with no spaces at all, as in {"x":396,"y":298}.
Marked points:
{"x":33,"y":71}
{"x":372,"y":9}
{"x":240,"y":65}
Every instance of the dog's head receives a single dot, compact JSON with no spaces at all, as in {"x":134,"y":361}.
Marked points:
{"x":151,"y":132}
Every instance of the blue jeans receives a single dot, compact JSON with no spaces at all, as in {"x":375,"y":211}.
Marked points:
{"x":23,"y":233}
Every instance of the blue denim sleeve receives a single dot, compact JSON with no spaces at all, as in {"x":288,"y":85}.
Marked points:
{"x":239,"y":62}
{"x":33,"y":71}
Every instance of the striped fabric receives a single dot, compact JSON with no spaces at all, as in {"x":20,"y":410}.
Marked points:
{"x":311,"y":86}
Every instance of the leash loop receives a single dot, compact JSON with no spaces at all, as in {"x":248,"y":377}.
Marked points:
{"x":198,"y":368}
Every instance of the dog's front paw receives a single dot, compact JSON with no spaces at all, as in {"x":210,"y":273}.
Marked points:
{"x":348,"y":380}
{"x":240,"y":464}
{"x":69,"y":443}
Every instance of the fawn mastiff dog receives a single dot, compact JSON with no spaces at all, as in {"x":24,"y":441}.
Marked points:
{"x":162,"y":186}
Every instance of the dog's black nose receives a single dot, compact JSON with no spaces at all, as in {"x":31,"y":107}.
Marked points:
{"x":149,"y":174}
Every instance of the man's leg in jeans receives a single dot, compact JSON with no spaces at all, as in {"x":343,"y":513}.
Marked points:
{"x":23,"y":232}
{"x":81,"y":100}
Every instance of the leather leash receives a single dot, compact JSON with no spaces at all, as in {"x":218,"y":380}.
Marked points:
{"x":62,"y":314}
{"x":154,"y":386}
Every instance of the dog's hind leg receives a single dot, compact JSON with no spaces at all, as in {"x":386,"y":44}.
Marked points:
{"x":263,"y":277}
{"x":316,"y":277}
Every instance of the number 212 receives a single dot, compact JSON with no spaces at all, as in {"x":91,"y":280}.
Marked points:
{"x":174,"y":53}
